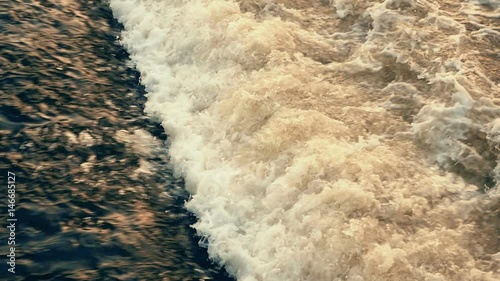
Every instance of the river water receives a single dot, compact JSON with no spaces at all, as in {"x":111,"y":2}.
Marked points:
{"x":303,"y":140}
{"x":96,"y":199}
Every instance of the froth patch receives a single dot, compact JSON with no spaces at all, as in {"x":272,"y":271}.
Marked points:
{"x":295,"y":124}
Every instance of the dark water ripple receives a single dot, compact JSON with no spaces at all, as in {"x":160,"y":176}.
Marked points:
{"x":70,"y":117}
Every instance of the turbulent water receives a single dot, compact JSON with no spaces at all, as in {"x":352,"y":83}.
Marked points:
{"x":330,"y":140}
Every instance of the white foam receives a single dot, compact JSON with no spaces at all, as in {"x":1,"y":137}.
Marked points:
{"x":296,"y":151}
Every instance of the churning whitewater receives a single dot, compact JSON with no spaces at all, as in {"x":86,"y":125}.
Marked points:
{"x":330,"y":140}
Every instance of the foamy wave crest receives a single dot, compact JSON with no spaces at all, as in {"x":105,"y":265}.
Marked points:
{"x":308,"y":132}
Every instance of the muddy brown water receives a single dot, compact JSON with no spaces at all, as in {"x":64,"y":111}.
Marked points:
{"x":95,"y":197}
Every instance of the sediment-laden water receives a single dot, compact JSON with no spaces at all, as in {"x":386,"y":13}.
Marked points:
{"x":330,"y":140}
{"x":95,"y":197}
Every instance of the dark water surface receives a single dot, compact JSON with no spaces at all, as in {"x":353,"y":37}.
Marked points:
{"x":95,"y":197}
